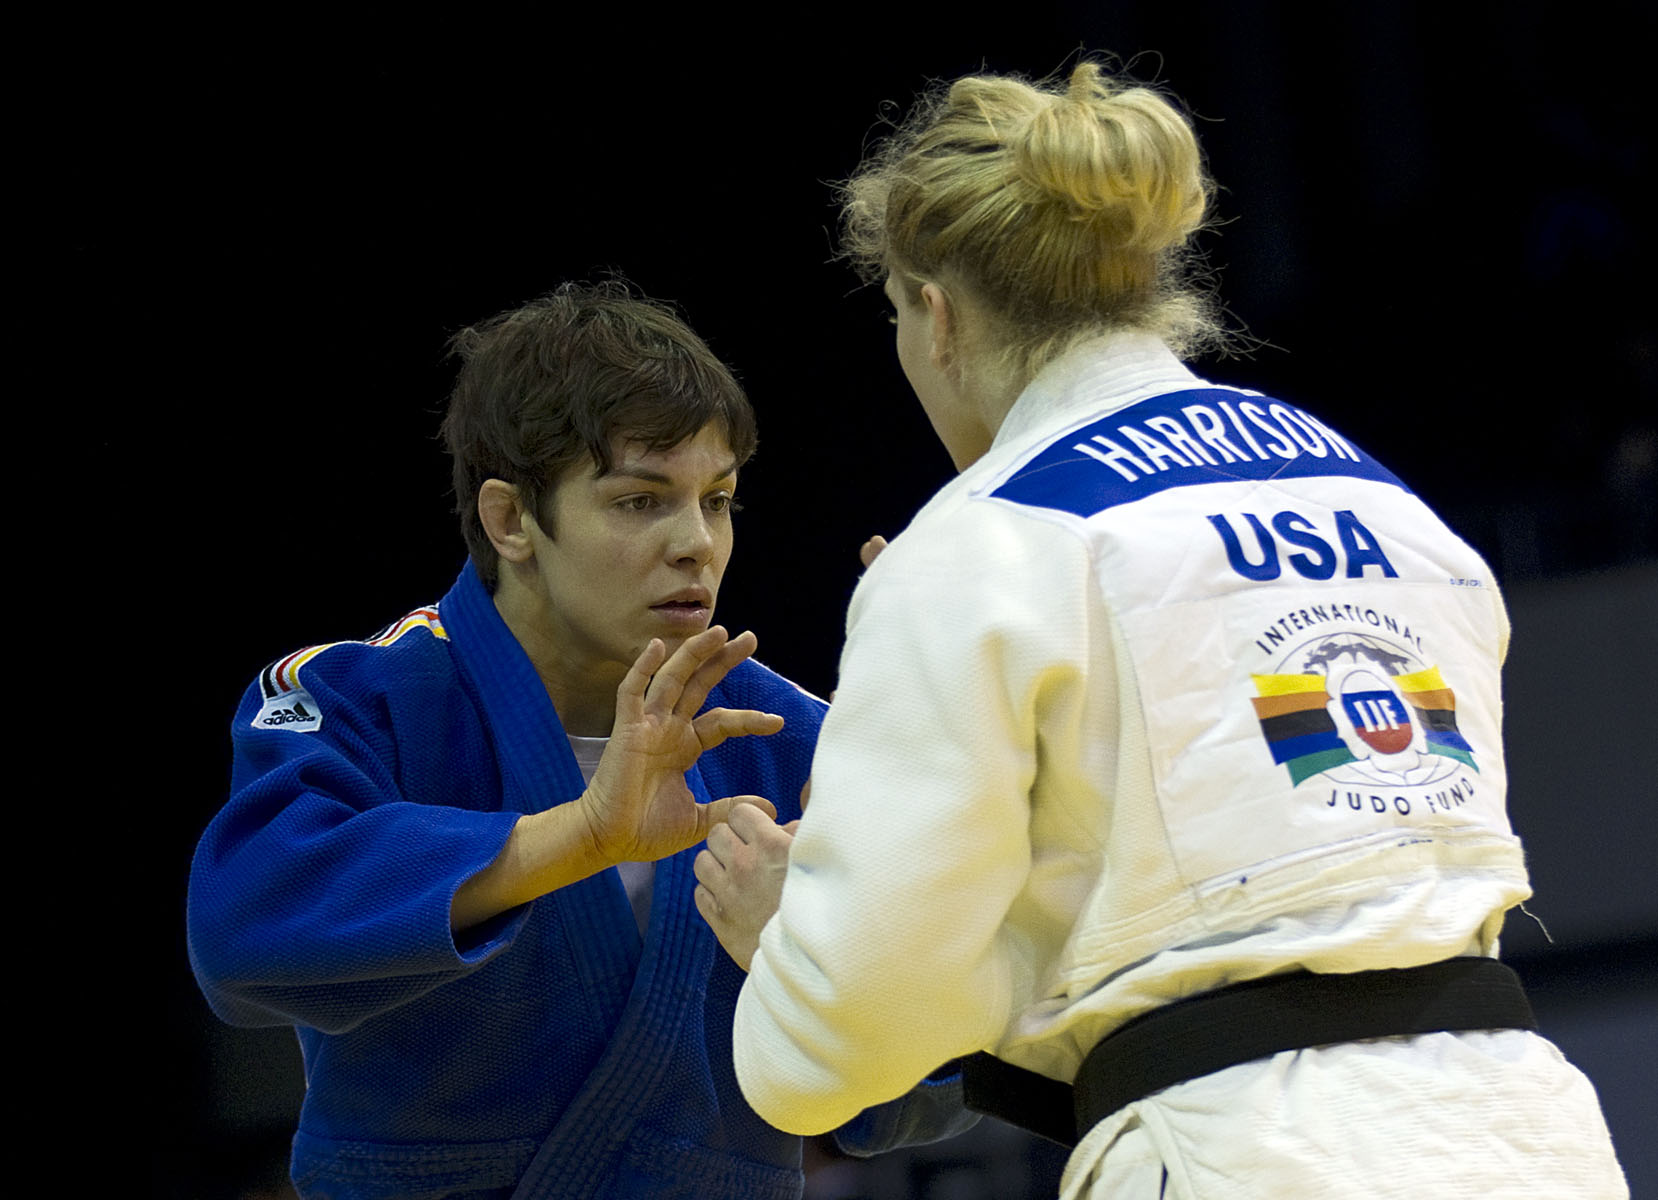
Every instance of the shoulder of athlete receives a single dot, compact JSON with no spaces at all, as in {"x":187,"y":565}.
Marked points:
{"x":293,"y":692}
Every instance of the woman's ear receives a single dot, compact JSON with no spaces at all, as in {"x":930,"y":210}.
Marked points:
{"x":940,"y":325}
{"x":501,"y":511}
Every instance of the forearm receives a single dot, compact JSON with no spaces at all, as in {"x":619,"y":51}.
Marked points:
{"x":890,"y":952}
{"x":822,"y":1033}
{"x":886,"y":956}
{"x":544,"y":852}
{"x":302,"y":910}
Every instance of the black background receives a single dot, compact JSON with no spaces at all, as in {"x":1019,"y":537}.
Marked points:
{"x":262,"y":230}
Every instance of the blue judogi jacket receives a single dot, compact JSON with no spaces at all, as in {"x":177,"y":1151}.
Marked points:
{"x":548,"y":1052}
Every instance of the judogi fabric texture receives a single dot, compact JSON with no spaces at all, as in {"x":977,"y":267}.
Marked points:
{"x":1173,"y":689}
{"x":551,"y":1052}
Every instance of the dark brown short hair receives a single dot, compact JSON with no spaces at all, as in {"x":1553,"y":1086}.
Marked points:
{"x":548,"y":388}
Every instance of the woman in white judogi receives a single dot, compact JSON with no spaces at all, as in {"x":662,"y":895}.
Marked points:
{"x":1173,"y":693}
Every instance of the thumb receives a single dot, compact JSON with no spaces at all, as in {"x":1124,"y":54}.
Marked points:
{"x":759,"y":802}
{"x":719,"y":811}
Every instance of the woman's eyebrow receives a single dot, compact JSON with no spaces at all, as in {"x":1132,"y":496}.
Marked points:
{"x":646,"y":475}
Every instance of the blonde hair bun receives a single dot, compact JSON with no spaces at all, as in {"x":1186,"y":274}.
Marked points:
{"x":1121,"y":156}
{"x":1066,"y":207}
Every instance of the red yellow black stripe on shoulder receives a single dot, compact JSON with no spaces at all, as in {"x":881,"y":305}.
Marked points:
{"x":282,"y":676}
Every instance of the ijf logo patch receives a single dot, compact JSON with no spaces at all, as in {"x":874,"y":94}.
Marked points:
{"x":1366,"y":712}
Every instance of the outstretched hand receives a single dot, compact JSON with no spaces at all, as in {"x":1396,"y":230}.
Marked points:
{"x":638,"y":807}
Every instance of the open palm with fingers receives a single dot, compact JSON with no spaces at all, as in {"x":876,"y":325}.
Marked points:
{"x":638,"y":805}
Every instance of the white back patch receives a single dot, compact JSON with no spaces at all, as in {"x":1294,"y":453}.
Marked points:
{"x":295,"y":711}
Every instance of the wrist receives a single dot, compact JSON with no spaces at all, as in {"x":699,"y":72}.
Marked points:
{"x":588,"y":828}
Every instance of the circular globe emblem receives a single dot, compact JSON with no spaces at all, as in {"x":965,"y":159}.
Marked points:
{"x":1371,"y":712}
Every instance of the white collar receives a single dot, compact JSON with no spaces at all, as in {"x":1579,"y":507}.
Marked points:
{"x":1101,"y":375}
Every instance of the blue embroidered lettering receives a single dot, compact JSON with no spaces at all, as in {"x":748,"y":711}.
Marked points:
{"x":1298,"y":531}
{"x":1267,"y":568}
{"x":1361,"y":546}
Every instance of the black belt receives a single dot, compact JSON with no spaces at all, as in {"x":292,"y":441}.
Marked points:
{"x":1241,"y":1023}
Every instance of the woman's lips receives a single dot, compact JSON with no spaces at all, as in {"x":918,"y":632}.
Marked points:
{"x":683,"y":612}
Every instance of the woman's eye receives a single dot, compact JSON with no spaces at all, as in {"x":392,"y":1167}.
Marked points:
{"x":723,"y":504}
{"x":636,"y":503}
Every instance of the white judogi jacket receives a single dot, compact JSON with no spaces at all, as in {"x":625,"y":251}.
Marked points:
{"x":1174,"y":688}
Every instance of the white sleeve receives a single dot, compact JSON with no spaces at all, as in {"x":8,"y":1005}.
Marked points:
{"x":889,"y":955}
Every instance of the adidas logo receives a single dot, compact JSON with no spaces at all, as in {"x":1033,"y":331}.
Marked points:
{"x":287,"y":716}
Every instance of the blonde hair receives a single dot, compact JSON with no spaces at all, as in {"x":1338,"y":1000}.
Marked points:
{"x":1065,"y":209}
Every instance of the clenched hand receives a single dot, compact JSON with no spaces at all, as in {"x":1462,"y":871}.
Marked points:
{"x":740,"y":878}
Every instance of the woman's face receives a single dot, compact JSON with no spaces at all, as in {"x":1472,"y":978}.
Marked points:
{"x":636,"y":553}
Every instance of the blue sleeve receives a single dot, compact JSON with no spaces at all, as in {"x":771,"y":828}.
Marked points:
{"x":320,"y":894}
{"x":929,"y":1112}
